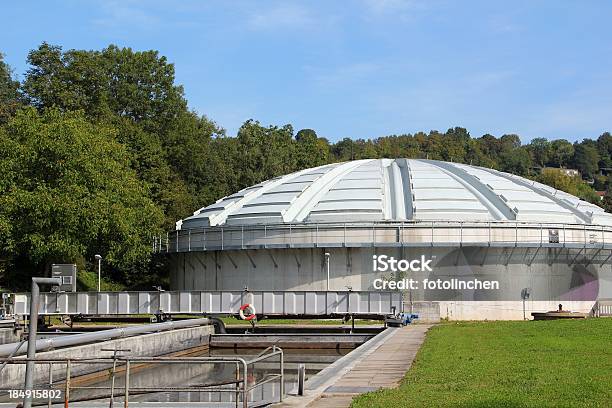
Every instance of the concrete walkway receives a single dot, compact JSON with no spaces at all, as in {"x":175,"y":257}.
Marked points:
{"x":383,"y":366}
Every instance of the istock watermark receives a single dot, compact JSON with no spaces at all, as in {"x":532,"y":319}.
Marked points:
{"x":384,"y":263}
{"x":436,"y":284}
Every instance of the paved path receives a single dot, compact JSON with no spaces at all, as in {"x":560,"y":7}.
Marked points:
{"x":382,"y":367}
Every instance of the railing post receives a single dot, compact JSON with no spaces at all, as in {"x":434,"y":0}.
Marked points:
{"x":516,"y":234}
{"x":432,"y":233}
{"x":177,"y":240}
{"x":237,"y":395}
{"x":222,"y":238}
{"x":374,"y":234}
{"x":282,"y":375}
{"x":189,"y":239}
{"x":50,"y":383}
{"x":245,"y":392}
{"x":127,"y":384}
{"x":67,"y":388}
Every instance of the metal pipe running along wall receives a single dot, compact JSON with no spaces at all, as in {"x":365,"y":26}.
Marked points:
{"x":78,"y":339}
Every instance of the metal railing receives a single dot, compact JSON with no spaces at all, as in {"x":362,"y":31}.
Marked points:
{"x":269,"y":303}
{"x":413,"y":233}
{"x":602,"y":308}
{"x":61,"y":380}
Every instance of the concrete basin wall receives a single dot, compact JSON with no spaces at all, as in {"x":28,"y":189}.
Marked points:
{"x":8,"y":335}
{"x":147,"y":345}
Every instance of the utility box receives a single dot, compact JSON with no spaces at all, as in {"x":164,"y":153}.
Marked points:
{"x":67,"y":273}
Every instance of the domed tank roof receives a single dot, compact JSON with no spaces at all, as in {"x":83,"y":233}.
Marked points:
{"x":380,"y":190}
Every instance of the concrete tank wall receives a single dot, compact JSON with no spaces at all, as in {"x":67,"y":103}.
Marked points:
{"x":8,"y":335}
{"x":555,"y":275}
{"x":147,"y":345}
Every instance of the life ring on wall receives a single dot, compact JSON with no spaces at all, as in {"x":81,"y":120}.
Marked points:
{"x":251,"y":311}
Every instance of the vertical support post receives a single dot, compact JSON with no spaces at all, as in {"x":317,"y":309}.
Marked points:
{"x":127,"y":384}
{"x":222,"y":238}
{"x":327,"y":256}
{"x":177,"y":240}
{"x":374,"y":234}
{"x":541,"y":235}
{"x":301,"y":378}
{"x":67,"y":388}
{"x":189,"y":240}
{"x":31,"y":363}
{"x":50,"y":383}
{"x":516,"y":234}
{"x":245,"y":392}
{"x":237,"y":395}
{"x":432,"y":233}
{"x":282,"y":375}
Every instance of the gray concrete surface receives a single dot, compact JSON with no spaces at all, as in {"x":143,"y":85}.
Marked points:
{"x":8,"y":335}
{"x":380,"y":363}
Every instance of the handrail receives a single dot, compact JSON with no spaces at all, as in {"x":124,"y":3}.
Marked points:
{"x":12,"y":354}
{"x":239,"y":385}
{"x":321,"y":234}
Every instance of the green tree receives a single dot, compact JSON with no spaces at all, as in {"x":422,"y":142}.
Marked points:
{"x":516,"y":161}
{"x":561,"y":153}
{"x":586,"y":158}
{"x":540,"y":150}
{"x":118,"y":81}
{"x":310,"y":150}
{"x":10,"y":98}
{"x":67,"y":192}
{"x":572,"y":185}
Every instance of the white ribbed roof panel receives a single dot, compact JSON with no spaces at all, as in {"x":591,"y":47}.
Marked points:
{"x":397,"y":190}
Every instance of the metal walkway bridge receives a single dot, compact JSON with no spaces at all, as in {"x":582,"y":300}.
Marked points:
{"x":268,"y":303}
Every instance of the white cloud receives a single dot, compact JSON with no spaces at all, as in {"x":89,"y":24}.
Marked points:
{"x":283,"y":15}
{"x":127,"y":13}
{"x":401,"y":9}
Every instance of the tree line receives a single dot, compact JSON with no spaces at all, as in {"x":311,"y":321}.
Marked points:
{"x":99,"y":151}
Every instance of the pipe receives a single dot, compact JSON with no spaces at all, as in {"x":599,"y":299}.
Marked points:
{"x":34,"y":301}
{"x":77,"y":339}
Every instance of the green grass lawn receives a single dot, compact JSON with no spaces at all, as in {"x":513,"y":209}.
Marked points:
{"x":508,"y":364}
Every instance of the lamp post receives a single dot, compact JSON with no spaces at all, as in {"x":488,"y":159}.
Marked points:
{"x":327,"y":255}
{"x":99,"y":259}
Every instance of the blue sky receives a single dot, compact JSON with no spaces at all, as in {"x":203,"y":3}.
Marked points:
{"x":358,"y":69}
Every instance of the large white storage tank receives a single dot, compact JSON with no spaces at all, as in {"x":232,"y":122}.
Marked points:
{"x":320,"y":229}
